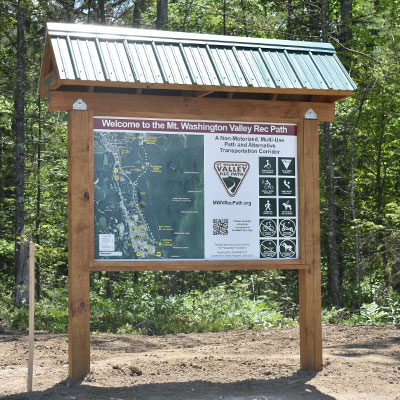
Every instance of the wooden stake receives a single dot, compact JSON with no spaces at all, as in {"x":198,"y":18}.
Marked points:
{"x":31,"y":314}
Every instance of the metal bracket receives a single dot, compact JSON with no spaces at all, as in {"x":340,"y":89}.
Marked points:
{"x":79,"y":105}
{"x":310,"y":114}
{"x":47,"y":83}
{"x":48,"y":80}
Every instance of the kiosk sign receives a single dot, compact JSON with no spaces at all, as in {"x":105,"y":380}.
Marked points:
{"x":194,"y":190}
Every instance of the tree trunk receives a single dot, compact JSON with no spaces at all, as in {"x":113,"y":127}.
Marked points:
{"x":353,"y":203}
{"x":109,"y":286}
{"x":314,"y":25}
{"x":324,"y":20}
{"x":346,"y":16}
{"x":354,"y":218}
{"x":89,"y":10}
{"x":346,"y":32}
{"x":289,"y":20}
{"x":333,"y":256}
{"x":22,"y":275}
{"x":2,"y":175}
{"x":171,"y":283}
{"x":38,"y":195}
{"x":243,"y":5}
{"x":396,"y":275}
{"x":162,"y":14}
{"x":380,"y":190}
{"x":69,"y":9}
{"x":224,"y":18}
{"x":137,"y":12}
{"x":101,"y":10}
{"x":21,"y":254}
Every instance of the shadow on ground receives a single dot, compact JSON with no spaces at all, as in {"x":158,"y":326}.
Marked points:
{"x":294,"y":387}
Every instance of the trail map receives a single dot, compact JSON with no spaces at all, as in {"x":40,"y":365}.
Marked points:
{"x":194,"y":190}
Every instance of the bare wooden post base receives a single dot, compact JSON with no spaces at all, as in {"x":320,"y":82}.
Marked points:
{"x":310,"y":278}
{"x":310,"y":319}
{"x":78,"y":239}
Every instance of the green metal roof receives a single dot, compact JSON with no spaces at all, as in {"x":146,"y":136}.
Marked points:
{"x":97,"y":54}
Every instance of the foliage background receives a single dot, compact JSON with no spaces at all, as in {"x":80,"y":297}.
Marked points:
{"x":362,"y":203}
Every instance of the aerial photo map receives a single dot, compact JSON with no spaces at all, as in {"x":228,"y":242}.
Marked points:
{"x":148,"y":190}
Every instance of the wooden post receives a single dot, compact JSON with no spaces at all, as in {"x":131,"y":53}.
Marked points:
{"x":79,"y":146}
{"x":310,"y":278}
{"x":31,"y":314}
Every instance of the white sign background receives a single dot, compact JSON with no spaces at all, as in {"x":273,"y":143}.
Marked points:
{"x":242,"y":211}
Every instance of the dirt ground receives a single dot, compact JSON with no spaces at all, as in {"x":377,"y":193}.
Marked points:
{"x":359,"y":363}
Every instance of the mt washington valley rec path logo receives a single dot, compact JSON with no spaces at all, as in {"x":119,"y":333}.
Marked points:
{"x":231,"y":174}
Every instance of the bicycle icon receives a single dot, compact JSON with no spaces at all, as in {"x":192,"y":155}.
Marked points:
{"x":268,"y":228}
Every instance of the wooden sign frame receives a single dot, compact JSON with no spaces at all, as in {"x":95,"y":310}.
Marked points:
{"x":80,"y":192}
{"x":188,"y":265}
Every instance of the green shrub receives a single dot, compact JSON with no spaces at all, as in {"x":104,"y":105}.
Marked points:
{"x":143,"y":307}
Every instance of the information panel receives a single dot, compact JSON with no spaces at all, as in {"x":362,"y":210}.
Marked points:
{"x":194,"y":190}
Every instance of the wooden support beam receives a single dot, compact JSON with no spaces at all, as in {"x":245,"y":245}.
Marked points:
{"x":188,"y":93}
{"x":79,"y":146}
{"x":134,"y":105}
{"x":234,"y":265}
{"x":205,"y":88}
{"x":310,"y":278}
{"x":204,"y":94}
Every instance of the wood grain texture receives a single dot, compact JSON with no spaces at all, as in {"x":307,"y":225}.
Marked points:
{"x":31,"y":315}
{"x":194,"y":265}
{"x":189,"y":107}
{"x":47,"y":70}
{"x":79,"y":146}
{"x":300,"y":190}
{"x":310,"y":277}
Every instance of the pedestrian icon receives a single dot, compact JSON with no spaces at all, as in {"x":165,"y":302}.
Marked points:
{"x":267,"y":207}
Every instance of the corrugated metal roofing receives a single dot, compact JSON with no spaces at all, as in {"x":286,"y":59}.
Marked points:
{"x":98,"y":54}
